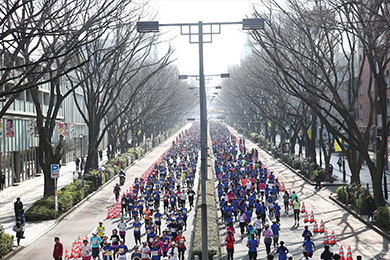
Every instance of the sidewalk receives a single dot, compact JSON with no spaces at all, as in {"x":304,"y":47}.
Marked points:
{"x":30,"y":191}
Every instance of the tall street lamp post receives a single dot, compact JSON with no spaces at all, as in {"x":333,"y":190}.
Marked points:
{"x":153,"y":27}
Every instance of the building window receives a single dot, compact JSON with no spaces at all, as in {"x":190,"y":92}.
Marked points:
{"x":361,"y":88}
{"x":361,"y":112}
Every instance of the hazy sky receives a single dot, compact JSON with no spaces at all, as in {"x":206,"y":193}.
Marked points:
{"x":226,"y":48}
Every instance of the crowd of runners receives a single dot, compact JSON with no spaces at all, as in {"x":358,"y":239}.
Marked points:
{"x":154,"y":210}
{"x":250,"y":197}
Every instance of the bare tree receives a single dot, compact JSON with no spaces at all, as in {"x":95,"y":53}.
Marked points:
{"x":115,"y":75}
{"x":47,"y":47}
{"x":314,"y":46}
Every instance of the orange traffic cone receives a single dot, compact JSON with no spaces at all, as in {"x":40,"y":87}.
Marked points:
{"x":349,"y":254}
{"x":322,"y":226}
{"x":315,"y":229}
{"x":326,"y":240}
{"x":311,"y":217}
{"x":303,"y":207}
{"x":67,"y":257}
{"x":74,"y":250}
{"x":289,"y":193}
{"x":290,"y":203}
{"x":341,"y":253}
{"x":109,"y":213}
{"x":86,"y":238}
{"x":306,"y":219}
{"x":332,"y":239}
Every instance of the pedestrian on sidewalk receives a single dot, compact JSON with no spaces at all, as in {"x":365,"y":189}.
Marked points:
{"x":58,"y":249}
{"x":370,"y":207}
{"x":230,"y":245}
{"x":77,"y":161}
{"x":18,"y":207}
{"x":82,"y":164}
{"x":339,"y":163}
{"x":2,"y":181}
{"x":22,"y":222}
{"x":318,"y":177}
{"x":252,"y":244}
{"x":18,"y":229}
{"x":267,"y":234}
{"x":330,"y":171}
{"x":101,"y":154}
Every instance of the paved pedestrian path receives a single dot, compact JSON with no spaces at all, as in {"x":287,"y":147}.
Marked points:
{"x":30,"y":191}
{"x":348,"y":230}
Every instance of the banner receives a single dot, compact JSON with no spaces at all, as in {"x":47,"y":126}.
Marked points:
{"x":63,"y":129}
{"x":337,"y":147}
{"x":72,"y":129}
{"x":9,"y":128}
{"x":30,"y":127}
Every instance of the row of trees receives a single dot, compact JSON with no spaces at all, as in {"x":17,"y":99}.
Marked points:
{"x":306,"y":72}
{"x":88,"y":49}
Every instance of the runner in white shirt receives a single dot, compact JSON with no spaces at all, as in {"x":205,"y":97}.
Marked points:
{"x":173,"y":252}
{"x":86,"y":250}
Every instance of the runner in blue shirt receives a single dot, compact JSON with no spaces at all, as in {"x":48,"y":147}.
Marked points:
{"x":122,"y":250}
{"x":282,"y":251}
{"x":157,"y":220}
{"x":137,"y":231}
{"x":309,"y":246}
{"x":275,"y":230}
{"x":277,"y":212}
{"x":252,"y":244}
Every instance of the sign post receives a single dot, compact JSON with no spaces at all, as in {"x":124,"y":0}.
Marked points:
{"x":55,"y":174}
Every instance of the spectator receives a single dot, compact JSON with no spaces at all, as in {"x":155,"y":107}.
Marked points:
{"x":77,"y":161}
{"x":2,"y":181}
{"x":58,"y":249}
{"x":370,"y":207}
{"x":330,"y":171}
{"x":326,"y":254}
{"x":18,"y":207}
{"x":18,"y":229}
{"x":339,"y":163}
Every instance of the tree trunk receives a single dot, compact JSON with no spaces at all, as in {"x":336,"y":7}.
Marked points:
{"x":92,"y":162}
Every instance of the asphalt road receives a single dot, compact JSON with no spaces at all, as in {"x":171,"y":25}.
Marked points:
{"x":83,"y":220}
{"x":348,"y":230}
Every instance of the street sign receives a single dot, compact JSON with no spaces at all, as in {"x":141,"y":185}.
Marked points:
{"x":55,"y":171}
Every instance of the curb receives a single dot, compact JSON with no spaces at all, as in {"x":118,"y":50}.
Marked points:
{"x":359,"y":217}
{"x":59,"y":219}
{"x":189,"y":255}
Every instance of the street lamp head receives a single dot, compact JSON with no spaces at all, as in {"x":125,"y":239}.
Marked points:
{"x":253,"y":24}
{"x":147,"y":27}
{"x":183,"y":76}
{"x":225,"y":75}
{"x":81,"y":136}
